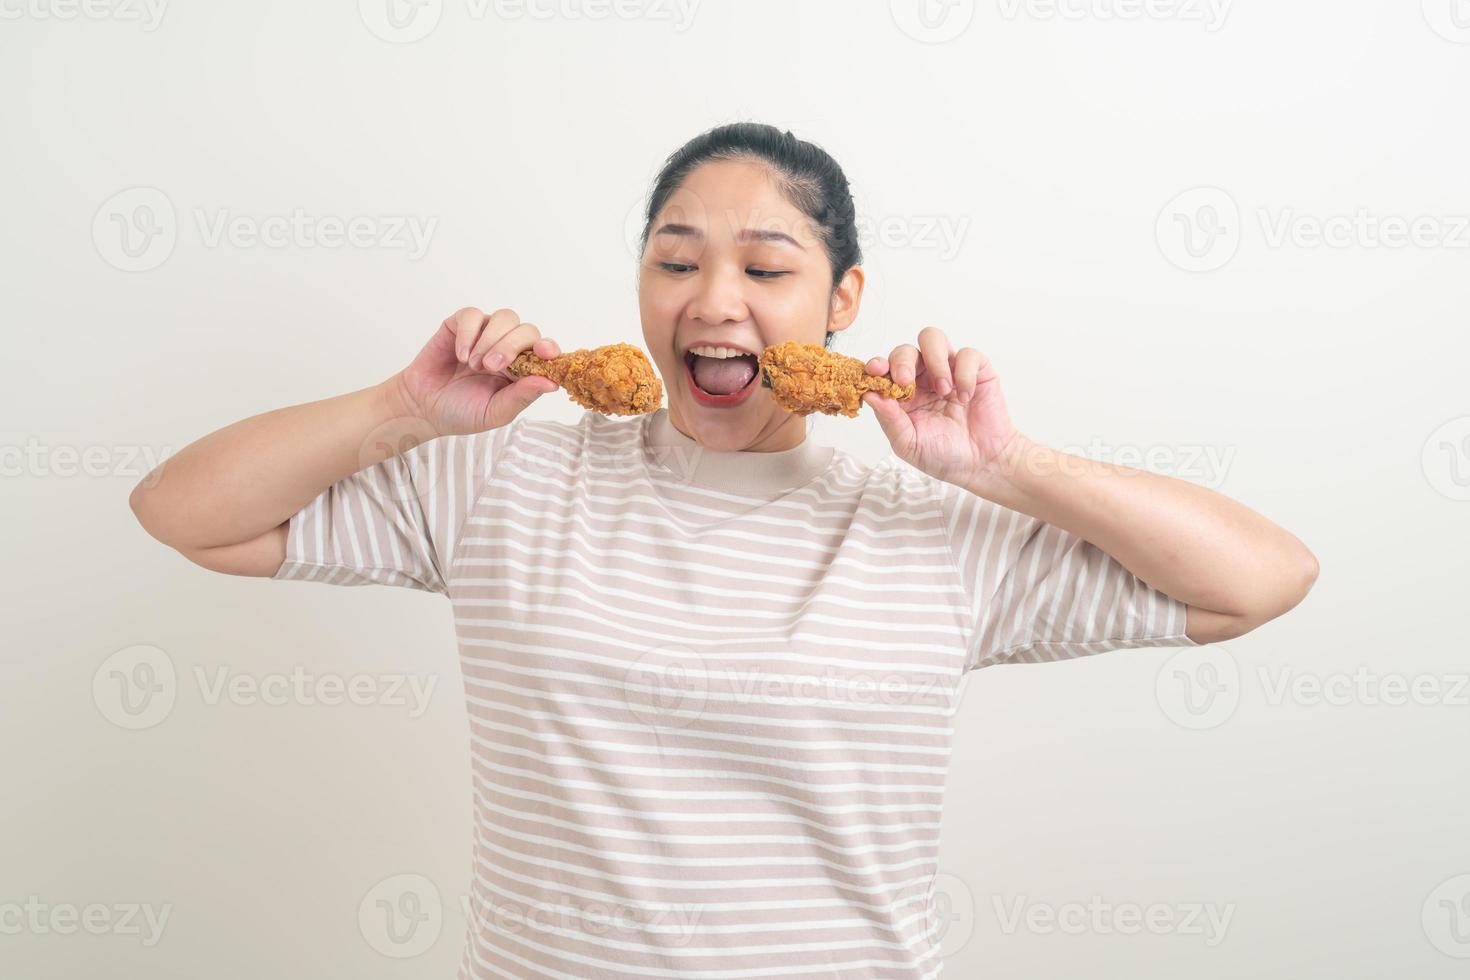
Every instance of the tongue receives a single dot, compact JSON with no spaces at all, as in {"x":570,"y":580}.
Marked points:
{"x":723,"y":375}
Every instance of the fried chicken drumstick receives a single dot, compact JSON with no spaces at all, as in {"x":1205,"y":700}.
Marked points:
{"x":808,"y":378}
{"x":615,"y":380}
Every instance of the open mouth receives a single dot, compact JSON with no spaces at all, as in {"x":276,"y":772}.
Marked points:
{"x":721,"y":381}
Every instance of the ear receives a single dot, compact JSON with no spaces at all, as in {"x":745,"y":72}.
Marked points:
{"x":842,"y":309}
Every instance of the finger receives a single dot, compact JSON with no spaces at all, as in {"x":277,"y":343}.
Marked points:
{"x":513,"y":399}
{"x":935,"y":347}
{"x":546,"y":349}
{"x":501,"y":322}
{"x":467,"y":325}
{"x":877,"y":365}
{"x":903,"y":363}
{"x":504,"y":349}
{"x":893,"y":420}
{"x":966,"y":371}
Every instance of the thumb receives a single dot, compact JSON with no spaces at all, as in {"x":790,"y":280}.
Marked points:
{"x":514,"y":398}
{"x":891,"y":418}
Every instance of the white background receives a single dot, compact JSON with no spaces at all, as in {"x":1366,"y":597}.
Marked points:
{"x":1313,"y":382}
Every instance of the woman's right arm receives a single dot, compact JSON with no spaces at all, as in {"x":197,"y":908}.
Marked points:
{"x":225,"y":500}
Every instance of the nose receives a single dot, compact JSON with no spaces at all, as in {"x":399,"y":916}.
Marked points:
{"x":719,"y":296}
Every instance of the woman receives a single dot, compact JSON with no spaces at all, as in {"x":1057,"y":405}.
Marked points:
{"x":710,"y":665}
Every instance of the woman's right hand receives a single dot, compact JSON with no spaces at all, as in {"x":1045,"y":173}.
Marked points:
{"x":457,"y":383}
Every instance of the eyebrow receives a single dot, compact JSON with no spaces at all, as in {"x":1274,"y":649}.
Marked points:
{"x":743,"y":236}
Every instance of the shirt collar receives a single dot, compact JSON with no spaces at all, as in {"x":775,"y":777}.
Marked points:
{"x":742,"y":471}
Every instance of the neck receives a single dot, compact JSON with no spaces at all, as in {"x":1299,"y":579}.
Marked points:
{"x":786,"y":432}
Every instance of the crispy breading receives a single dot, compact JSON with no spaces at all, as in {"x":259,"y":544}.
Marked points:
{"x":808,"y":378}
{"x":615,"y":380}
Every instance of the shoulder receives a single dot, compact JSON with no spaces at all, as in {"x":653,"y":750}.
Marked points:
{"x":538,"y":438}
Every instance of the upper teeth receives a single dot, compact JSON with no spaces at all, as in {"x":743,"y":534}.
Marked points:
{"x":716,"y":352}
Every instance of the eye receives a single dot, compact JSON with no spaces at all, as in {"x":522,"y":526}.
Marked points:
{"x":674,"y":267}
{"x":765,"y":273}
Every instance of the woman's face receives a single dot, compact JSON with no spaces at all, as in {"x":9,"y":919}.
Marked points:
{"x":731,"y":263}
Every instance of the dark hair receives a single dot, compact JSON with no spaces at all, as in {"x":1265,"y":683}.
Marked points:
{"x":808,"y":176}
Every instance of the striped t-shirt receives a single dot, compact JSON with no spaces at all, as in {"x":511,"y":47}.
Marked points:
{"x":711,"y":694}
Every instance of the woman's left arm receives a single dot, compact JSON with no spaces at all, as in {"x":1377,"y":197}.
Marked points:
{"x":1234,"y":568}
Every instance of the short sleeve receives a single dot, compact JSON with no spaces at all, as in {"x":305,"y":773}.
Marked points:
{"x":1041,"y":593}
{"x":395,"y":522}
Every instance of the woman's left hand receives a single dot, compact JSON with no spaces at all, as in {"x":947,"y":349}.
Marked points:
{"x":956,"y":427}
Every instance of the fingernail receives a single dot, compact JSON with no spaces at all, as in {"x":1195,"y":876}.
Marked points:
{"x":945,"y":387}
{"x":493,"y":362}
